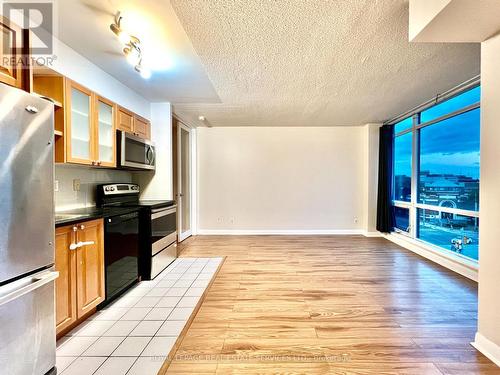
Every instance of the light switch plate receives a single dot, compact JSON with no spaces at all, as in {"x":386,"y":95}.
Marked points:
{"x":56,"y":185}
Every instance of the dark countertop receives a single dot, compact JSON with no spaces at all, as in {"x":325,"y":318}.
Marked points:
{"x":89,"y":213}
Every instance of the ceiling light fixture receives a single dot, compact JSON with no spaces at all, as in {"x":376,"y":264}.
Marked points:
{"x":132,"y":49}
{"x":116,"y":28}
{"x":144,"y":72}
{"x":132,"y":55}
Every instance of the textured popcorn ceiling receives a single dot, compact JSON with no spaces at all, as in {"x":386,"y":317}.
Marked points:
{"x":315,"y":62}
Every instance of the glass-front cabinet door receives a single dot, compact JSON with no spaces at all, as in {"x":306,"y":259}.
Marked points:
{"x":79,"y":146}
{"x":105,"y":132}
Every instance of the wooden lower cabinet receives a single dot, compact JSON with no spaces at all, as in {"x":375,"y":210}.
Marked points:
{"x":66,"y":282}
{"x":80,"y":286}
{"x":90,"y":267}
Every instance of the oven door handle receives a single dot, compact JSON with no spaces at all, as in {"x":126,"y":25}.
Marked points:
{"x":162,"y":212}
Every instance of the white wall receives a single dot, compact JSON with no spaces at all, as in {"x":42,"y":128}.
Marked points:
{"x":66,"y":198}
{"x":488,"y":336}
{"x":158,"y":185}
{"x":371,"y":148}
{"x":262,"y":179}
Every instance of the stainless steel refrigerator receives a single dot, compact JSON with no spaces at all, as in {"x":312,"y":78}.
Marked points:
{"x":27,"y":307}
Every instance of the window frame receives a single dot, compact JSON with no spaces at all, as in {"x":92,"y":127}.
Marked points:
{"x":413,"y":206}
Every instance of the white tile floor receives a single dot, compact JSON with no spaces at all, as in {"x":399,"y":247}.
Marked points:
{"x":135,"y":334}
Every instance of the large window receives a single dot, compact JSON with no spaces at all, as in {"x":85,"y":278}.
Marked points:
{"x":436,"y":174}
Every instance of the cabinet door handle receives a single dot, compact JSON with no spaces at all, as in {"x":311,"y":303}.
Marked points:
{"x":75,"y":246}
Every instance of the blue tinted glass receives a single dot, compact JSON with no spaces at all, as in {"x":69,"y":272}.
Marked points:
{"x":402,"y":218}
{"x":451,"y":105}
{"x":453,"y":232}
{"x":402,"y":167}
{"x":403,"y":125}
{"x":449,"y":162}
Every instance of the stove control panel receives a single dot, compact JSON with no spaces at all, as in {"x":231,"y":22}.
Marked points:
{"x":116,"y":189}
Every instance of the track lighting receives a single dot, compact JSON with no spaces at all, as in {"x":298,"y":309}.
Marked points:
{"x":144,"y":72}
{"x":132,"y":49}
{"x":132,"y":55}
{"x":117,"y":29}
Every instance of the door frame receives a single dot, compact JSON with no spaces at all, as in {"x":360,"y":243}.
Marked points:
{"x":183,"y":235}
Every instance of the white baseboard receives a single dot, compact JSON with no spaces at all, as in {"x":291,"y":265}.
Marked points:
{"x":372,"y":234}
{"x":453,"y":262}
{"x":487,"y":347}
{"x":285,"y":232}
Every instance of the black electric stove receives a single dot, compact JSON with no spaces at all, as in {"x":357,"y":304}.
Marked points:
{"x":157,"y":225}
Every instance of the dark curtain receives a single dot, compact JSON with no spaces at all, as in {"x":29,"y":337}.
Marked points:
{"x":385,"y":215}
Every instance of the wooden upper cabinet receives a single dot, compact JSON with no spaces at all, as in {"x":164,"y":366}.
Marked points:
{"x":105,"y":132}
{"x":79,"y":133}
{"x":90,"y":266}
{"x":132,"y":123}
{"x":125,"y":120}
{"x":90,"y":131}
{"x":142,"y":127}
{"x":85,"y":123}
{"x":65,"y":264}
{"x":11,"y":52}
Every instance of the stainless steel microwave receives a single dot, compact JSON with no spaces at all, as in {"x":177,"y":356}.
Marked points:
{"x":135,"y":152}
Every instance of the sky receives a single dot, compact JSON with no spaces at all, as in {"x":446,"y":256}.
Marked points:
{"x":450,"y":146}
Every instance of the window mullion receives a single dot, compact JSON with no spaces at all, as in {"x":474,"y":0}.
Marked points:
{"x":414,"y":177}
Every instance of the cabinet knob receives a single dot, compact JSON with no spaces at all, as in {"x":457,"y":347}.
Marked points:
{"x":98,"y":163}
{"x":75,"y":228}
{"x":93,"y":162}
{"x":82,"y":227}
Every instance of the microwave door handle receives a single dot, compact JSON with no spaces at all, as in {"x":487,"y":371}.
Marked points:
{"x":150,"y":155}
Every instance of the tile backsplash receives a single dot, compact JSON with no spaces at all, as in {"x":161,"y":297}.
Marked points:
{"x":66,"y":198}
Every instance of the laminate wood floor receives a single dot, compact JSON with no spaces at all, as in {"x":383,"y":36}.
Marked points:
{"x":329,"y":305}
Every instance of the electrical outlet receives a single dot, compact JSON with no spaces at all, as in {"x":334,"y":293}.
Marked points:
{"x":231,"y":220}
{"x":220,"y":220}
{"x":76,"y":184}
{"x":56,"y":185}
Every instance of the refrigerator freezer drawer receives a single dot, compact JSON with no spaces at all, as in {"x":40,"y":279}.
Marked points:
{"x":27,"y":321}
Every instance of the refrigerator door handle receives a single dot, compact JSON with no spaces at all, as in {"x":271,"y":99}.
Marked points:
{"x":36,"y":282}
